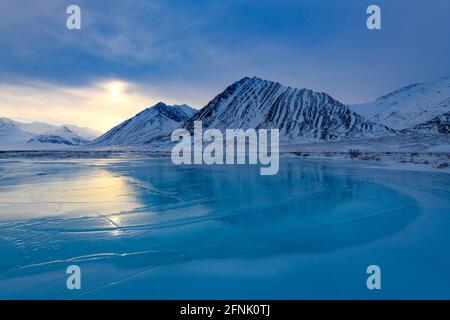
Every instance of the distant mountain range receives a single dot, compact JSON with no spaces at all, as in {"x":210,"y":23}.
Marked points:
{"x":39,"y":135}
{"x":301,"y":115}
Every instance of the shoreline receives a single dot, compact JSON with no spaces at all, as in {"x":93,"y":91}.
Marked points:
{"x":410,"y":161}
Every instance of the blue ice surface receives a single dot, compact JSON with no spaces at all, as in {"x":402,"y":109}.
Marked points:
{"x":144,"y":228}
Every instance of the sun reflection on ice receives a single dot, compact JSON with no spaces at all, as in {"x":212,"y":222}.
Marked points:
{"x":82,"y":190}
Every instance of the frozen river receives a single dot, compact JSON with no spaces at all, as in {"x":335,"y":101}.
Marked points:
{"x":144,"y":228}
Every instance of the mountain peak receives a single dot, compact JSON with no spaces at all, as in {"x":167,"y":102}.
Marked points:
{"x":299,"y":114}
{"x":160,"y":104}
{"x":152,"y":122}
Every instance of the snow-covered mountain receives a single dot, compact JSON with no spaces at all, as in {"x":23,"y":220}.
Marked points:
{"x":300,"y":114}
{"x":439,"y":124}
{"x":159,"y":120}
{"x":15,"y":134}
{"x":409,"y":106}
{"x":11,"y":134}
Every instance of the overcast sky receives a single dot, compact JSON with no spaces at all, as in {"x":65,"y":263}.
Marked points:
{"x":131,"y":54}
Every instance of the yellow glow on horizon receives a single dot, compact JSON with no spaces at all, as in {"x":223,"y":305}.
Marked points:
{"x":100,"y":105}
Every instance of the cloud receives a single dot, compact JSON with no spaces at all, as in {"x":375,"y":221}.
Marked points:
{"x":188,"y":51}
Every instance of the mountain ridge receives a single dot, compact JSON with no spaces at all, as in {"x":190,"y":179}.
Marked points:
{"x":299,"y":114}
{"x":409,"y":106}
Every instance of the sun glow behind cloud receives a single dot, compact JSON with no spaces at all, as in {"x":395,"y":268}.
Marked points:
{"x":99,"y":106}
{"x":116,"y":89}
